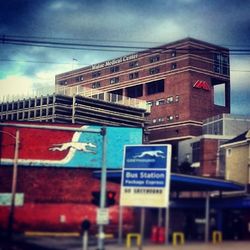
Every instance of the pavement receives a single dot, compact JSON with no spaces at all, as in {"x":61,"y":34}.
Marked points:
{"x":21,"y":242}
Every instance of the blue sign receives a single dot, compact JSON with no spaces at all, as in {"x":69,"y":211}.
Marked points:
{"x":146,"y":176}
{"x":146,"y":157}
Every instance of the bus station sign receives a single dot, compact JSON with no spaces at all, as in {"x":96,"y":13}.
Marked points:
{"x":146,"y":176}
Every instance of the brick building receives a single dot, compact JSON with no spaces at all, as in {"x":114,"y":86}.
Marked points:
{"x":178,"y":80}
{"x":203,"y":152}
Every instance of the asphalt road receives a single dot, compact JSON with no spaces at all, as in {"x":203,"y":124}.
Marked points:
{"x":75,"y":243}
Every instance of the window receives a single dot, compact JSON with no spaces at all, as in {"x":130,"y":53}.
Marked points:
{"x":114,"y":69}
{"x":96,"y":85}
{"x":135,"y":91}
{"x":170,"y":99}
{"x":173,"y":66}
{"x":173,"y":53}
{"x":228,"y":152}
{"x":64,"y":82}
{"x":170,"y":118}
{"x":101,"y":96}
{"x":79,"y":78}
{"x":221,"y":63}
{"x":114,"y":80}
{"x":133,"y":75}
{"x":160,"y":102}
{"x":155,"y":87}
{"x":153,"y":71}
{"x":154,"y":59}
{"x":96,"y":74}
{"x":150,"y":103}
{"x":133,"y":64}
{"x":196,"y":151}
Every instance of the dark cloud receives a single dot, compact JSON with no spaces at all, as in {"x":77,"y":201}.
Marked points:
{"x":129,"y":22}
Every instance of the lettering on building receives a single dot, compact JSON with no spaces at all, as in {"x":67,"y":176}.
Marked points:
{"x":114,"y":61}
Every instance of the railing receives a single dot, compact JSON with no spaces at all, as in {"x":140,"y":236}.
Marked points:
{"x":83,"y":91}
{"x":105,"y":96}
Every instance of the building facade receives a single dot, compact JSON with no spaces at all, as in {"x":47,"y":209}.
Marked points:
{"x":203,"y":152}
{"x":178,"y":80}
{"x":54,"y":180}
{"x":73,"y":109}
{"x":236,"y":153}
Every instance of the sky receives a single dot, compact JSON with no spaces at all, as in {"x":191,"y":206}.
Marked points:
{"x":130,"y":23}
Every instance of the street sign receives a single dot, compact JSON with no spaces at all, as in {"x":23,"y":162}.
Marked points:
{"x":102,"y":216}
{"x":146,"y":176}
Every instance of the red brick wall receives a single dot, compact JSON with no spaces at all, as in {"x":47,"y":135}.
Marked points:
{"x":50,"y":193}
{"x":208,"y":151}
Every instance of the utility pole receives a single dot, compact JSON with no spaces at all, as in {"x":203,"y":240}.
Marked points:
{"x":13,"y":187}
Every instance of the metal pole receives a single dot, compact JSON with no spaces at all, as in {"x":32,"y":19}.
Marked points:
{"x":13,"y":187}
{"x":82,"y":129}
{"x":159,"y":217}
{"x":142,"y":226}
{"x":207,"y":217}
{"x":103,"y":189}
{"x":120,"y":225}
{"x":85,"y":240}
{"x":167,"y":225}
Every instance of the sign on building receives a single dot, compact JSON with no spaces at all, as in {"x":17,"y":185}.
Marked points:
{"x":5,"y":199}
{"x":63,"y":148}
{"x":146,"y":176}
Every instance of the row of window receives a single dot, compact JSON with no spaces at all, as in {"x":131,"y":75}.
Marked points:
{"x":153,"y":87}
{"x":169,"y":118}
{"x":26,"y":115}
{"x":26,"y":104}
{"x":131,"y":76}
{"x":133,"y":64}
{"x":168,"y":100}
{"x":152,"y":71}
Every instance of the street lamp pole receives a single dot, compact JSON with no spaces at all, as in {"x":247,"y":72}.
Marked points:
{"x":13,"y":186}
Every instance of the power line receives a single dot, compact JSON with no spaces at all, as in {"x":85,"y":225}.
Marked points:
{"x":107,"y":47}
{"x":109,"y":40}
{"x":83,"y":65}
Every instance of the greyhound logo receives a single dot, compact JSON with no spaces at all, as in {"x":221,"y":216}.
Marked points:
{"x":80,"y":146}
{"x":151,"y":153}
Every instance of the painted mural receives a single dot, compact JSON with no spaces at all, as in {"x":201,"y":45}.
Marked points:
{"x":61,"y":148}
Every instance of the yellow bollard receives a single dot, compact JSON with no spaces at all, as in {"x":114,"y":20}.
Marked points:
{"x":133,"y":235}
{"x":179,"y":235}
{"x":216,"y":237}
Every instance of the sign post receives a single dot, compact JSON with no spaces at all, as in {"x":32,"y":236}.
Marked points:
{"x":146,"y":178}
{"x":103,"y":190}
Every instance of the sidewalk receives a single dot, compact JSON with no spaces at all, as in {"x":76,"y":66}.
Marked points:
{"x":232,"y":245}
{"x":75,"y":243}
